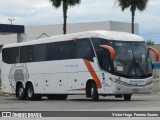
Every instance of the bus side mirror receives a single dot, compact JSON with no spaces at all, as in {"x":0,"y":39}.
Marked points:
{"x":111,"y":50}
{"x":155,"y":52}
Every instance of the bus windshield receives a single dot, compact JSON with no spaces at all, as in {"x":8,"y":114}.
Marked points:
{"x":132,"y":59}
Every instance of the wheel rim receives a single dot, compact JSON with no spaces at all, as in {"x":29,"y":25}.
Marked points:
{"x":92,"y":91}
{"x":21,"y":91}
{"x":30,"y":92}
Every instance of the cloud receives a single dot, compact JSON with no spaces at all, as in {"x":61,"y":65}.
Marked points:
{"x":154,"y":2}
{"x":41,"y":12}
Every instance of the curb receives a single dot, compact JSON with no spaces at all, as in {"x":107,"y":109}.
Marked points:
{"x":9,"y":95}
{"x":6,"y":94}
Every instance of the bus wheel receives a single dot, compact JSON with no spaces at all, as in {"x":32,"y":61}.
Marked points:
{"x":21,"y":92}
{"x":127,"y":97}
{"x":30,"y":93}
{"x":94,"y":92}
{"x":50,"y":97}
{"x":60,"y":97}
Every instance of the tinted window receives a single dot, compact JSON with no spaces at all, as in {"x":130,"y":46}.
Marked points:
{"x":26,"y":54}
{"x":53,"y":51}
{"x":68,"y":50}
{"x":84,"y":49}
{"x":99,"y":41}
{"x":11,"y":55}
{"x":39,"y":52}
{"x":6,"y":55}
{"x":103,"y":55}
{"x":61,"y":50}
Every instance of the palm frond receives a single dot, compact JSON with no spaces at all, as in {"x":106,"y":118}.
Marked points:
{"x":73,"y":2}
{"x":142,"y":4}
{"x":56,"y":3}
{"x":133,"y":4}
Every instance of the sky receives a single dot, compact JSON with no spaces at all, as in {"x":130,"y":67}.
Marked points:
{"x":41,"y":12}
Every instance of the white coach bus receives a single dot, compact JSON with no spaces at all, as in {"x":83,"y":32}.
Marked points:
{"x":92,"y":63}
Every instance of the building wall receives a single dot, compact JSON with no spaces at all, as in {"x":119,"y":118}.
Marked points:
{"x":34,"y":32}
{"x":51,"y":30}
{"x":8,"y":39}
{"x":126,"y":27}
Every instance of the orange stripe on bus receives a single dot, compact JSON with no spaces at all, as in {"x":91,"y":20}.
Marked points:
{"x":93,"y":73}
{"x":80,"y":89}
{"x":75,"y":38}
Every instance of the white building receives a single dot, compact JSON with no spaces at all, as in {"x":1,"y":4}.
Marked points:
{"x":36,"y":32}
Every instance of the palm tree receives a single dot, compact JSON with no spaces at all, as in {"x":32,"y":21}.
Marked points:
{"x":133,"y":5}
{"x":66,"y":4}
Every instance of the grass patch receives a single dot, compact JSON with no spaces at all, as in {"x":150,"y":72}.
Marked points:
{"x":156,"y":80}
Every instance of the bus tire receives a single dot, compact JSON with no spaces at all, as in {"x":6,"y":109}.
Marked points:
{"x":127,"y":97}
{"x":21,"y":92}
{"x":60,"y":97}
{"x":30,"y":93}
{"x":94,"y":92}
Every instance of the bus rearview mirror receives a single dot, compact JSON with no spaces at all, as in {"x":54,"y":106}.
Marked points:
{"x":111,"y":50}
{"x":155,"y":52}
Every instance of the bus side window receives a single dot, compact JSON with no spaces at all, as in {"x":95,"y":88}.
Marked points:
{"x":39,"y":52}
{"x":7,"y":58}
{"x":11,"y":55}
{"x":68,"y":50}
{"x":26,"y":54}
{"x":104,"y":60}
{"x":103,"y":55}
{"x":53,"y":51}
{"x":84,"y":49}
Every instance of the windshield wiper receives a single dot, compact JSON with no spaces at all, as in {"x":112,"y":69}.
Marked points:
{"x":135,"y":65}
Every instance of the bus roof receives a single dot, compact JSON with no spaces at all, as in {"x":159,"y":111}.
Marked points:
{"x":109,"y":35}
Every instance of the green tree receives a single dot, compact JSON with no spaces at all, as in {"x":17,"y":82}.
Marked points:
{"x":65,"y":4}
{"x":133,"y":5}
{"x":150,"y":42}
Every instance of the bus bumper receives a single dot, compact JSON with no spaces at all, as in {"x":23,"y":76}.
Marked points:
{"x":121,"y":89}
